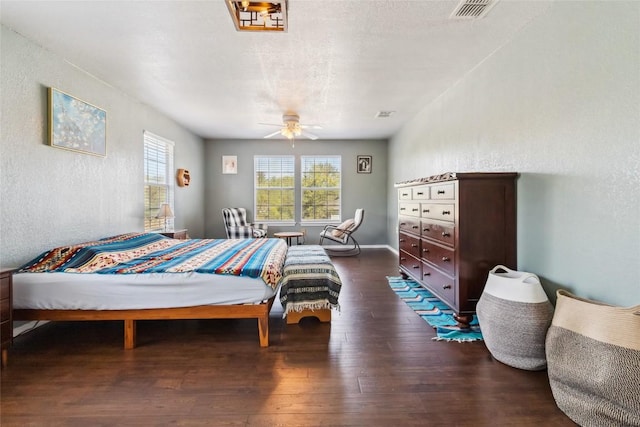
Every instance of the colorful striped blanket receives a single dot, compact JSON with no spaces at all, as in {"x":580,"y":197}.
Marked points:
{"x":310,"y":280}
{"x":140,"y":253}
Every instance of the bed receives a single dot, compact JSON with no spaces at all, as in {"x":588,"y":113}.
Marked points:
{"x":147,"y":276}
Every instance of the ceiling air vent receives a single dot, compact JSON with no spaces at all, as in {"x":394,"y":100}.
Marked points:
{"x":384,"y":114}
{"x":472,"y":9}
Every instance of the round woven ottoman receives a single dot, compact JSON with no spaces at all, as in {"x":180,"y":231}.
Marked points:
{"x":514,"y":315}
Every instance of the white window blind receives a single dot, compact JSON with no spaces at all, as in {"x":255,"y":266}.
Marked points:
{"x":274,"y":188}
{"x":321,"y":188}
{"x":158,"y":180}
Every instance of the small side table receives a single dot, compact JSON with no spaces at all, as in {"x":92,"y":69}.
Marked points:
{"x":176,"y":234}
{"x":6,"y":309}
{"x":288,"y":235}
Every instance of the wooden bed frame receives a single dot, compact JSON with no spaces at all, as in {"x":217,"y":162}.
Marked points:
{"x":235,"y":311}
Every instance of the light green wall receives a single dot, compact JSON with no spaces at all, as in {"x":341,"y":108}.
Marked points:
{"x":51,"y":197}
{"x":561,"y":105}
{"x":367,"y":191}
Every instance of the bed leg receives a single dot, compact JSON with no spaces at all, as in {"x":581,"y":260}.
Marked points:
{"x":263,"y":330}
{"x":129,"y":334}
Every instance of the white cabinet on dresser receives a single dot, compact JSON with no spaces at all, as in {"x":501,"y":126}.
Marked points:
{"x":453,"y":229}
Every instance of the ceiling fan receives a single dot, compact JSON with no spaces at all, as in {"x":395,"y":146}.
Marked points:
{"x":291,"y":127}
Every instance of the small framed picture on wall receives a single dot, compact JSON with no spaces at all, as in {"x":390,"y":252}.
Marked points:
{"x":229,"y":164}
{"x":364,"y":164}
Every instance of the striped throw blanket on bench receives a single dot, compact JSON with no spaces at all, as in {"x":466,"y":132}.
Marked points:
{"x":309,"y":281}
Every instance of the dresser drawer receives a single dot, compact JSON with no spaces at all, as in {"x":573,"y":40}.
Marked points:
{"x":5,"y":309}
{"x":443,"y":233}
{"x":6,"y":331}
{"x":443,"y":192}
{"x":411,"y":264}
{"x":440,"y":284}
{"x":443,"y":212}
{"x":443,"y":258}
{"x":5,"y":287}
{"x":411,"y":209}
{"x":409,"y":225}
{"x":420,"y":193}
{"x":410,"y":244}
{"x":404,"y":194}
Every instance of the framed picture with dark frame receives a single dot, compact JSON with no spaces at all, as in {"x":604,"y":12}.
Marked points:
{"x":364,"y":164}
{"x":76,"y":125}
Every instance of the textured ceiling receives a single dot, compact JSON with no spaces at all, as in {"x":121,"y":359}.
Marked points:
{"x":338,"y":65}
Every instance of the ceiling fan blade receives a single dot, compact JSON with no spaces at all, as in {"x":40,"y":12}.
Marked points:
{"x":272,"y":134}
{"x":310,"y":135}
{"x":310,"y":127}
{"x":271,"y":124}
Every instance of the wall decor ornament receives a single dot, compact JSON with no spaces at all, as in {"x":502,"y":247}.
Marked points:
{"x":183,"y":177}
{"x":229,"y":164}
{"x":76,"y":125}
{"x":364,"y":164}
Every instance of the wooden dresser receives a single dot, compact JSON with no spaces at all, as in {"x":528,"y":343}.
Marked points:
{"x":453,"y":229}
{"x":6,"y":307}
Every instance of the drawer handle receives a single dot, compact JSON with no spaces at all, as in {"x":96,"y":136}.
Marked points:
{"x":402,"y":240}
{"x":416,"y":266}
{"x":425,"y":211}
{"x":426,"y":274}
{"x":440,"y":191}
{"x":446,"y":287}
{"x":426,"y":229}
{"x":403,"y":209}
{"x":420,"y":193}
{"x":414,"y":227}
{"x":414,"y":245}
{"x":426,"y":251}
{"x":446,"y":212}
{"x":402,"y":258}
{"x":403,"y":223}
{"x":414,"y":210}
{"x":405,"y":194}
{"x":446,"y":259}
{"x":445,"y":234}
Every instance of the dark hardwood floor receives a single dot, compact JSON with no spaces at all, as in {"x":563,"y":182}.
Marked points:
{"x":374,"y":365}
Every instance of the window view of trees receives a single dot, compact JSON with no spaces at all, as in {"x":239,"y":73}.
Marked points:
{"x":158,"y":188}
{"x":321,"y":188}
{"x":275,"y":188}
{"x":275,"y":192}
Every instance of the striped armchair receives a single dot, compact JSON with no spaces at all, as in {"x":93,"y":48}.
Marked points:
{"x":237,"y":227}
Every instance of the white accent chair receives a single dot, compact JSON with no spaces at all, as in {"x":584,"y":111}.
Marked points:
{"x":343,"y":234}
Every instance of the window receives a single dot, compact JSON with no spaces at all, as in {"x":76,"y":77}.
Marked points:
{"x":158,"y":180}
{"x":321,"y":188}
{"x":274,"y":189}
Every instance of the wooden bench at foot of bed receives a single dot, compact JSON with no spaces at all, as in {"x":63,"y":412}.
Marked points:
{"x":323,"y":315}
{"x":310,"y":284}
{"x":239,"y":311}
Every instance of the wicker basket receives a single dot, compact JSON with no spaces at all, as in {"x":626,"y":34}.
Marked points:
{"x":514,"y":314}
{"x":593,"y":354}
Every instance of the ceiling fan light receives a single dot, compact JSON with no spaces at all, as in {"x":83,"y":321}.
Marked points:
{"x":287,"y":133}
{"x":251,"y":15}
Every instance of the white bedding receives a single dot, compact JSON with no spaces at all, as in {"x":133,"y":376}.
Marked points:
{"x":65,"y":291}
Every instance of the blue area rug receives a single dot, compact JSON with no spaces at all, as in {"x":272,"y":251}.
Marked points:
{"x":433,"y":311}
